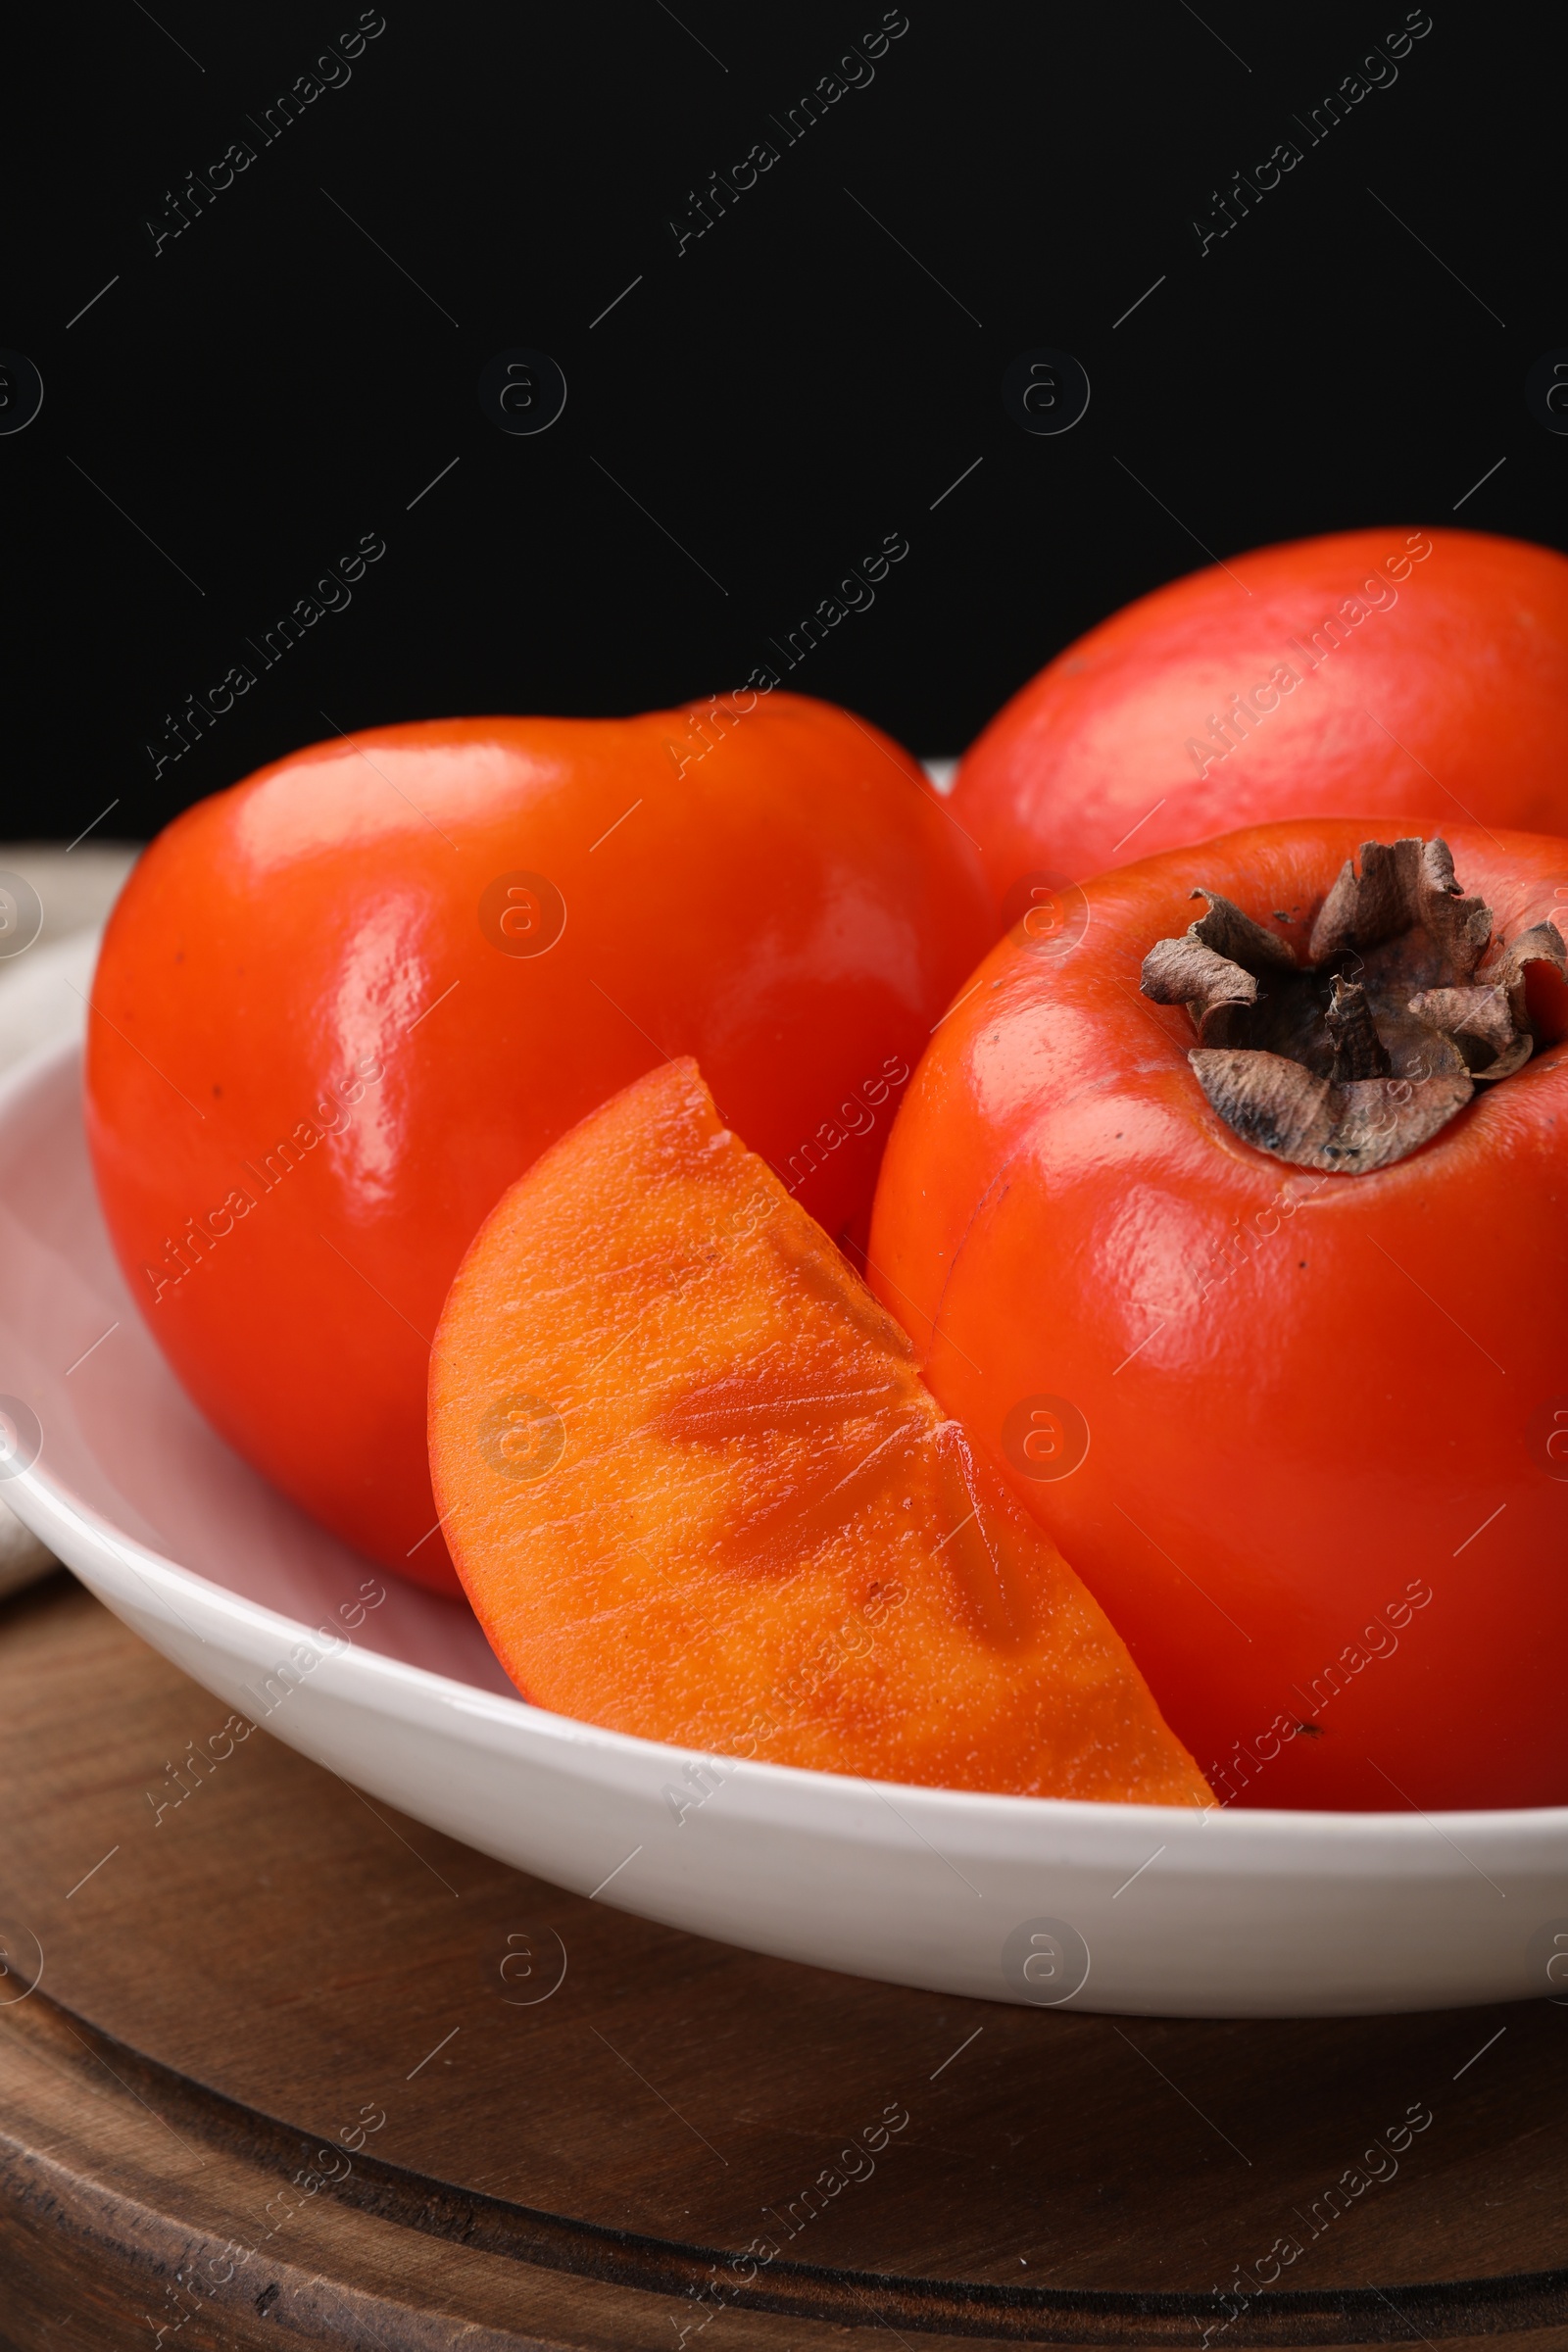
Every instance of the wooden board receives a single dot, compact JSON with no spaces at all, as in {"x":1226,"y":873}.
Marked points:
{"x":300,"y":2070}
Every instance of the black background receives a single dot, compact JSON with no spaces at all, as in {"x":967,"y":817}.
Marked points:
{"x":797,"y":383}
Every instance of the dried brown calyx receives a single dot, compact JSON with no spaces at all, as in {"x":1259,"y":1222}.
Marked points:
{"x":1407,"y":1004}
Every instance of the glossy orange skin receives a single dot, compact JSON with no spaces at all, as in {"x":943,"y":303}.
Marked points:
{"x":1303,"y":1395}
{"x":1447,"y":701}
{"x":795,"y":907}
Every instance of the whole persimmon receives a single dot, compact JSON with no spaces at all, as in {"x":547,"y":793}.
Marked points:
{"x":341,"y":1007}
{"x":1419,"y":677}
{"x":1242,"y":1245}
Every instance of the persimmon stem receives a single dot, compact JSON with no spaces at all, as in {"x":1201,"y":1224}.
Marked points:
{"x":1407,"y":1002}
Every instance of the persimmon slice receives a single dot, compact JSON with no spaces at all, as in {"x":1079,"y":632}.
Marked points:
{"x":697,"y":1491}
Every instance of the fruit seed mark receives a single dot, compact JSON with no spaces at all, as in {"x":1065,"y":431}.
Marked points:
{"x":734,"y":1404}
{"x":749,"y":1217}
{"x":814,"y":1513}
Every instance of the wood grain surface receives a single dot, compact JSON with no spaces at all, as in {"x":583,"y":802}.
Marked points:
{"x":279,"y":2066}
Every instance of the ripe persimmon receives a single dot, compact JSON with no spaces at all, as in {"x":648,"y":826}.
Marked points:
{"x":1417,"y":678}
{"x":697,"y":1491}
{"x":1241,"y":1248}
{"x":342,"y":1006}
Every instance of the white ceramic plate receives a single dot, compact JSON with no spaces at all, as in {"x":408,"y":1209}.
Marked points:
{"x":1115,"y":1908}
{"x":44,"y":984}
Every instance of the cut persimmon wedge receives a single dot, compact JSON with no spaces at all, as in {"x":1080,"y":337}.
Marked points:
{"x":697,"y":1491}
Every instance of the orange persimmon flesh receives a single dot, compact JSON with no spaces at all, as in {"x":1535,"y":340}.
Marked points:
{"x":697,"y":1491}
